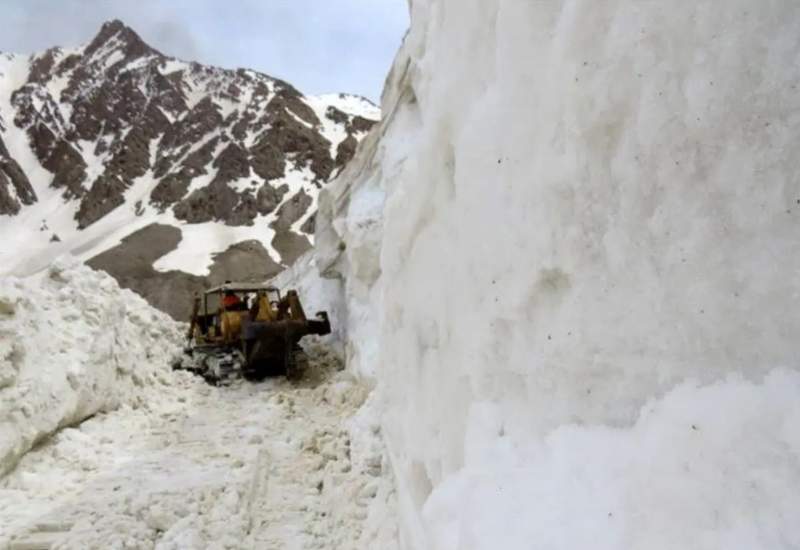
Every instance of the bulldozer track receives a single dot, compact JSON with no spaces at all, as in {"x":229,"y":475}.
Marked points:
{"x":218,"y":367}
{"x":221,"y":367}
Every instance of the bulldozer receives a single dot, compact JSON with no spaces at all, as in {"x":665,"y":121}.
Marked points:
{"x":249,"y":330}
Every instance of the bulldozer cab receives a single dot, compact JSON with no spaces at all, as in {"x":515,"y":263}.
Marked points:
{"x":223,"y":310}
{"x":237,"y":298}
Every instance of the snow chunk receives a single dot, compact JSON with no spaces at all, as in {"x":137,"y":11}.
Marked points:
{"x":73,"y":344}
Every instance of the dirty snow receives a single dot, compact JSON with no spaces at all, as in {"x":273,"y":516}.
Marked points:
{"x":269,"y":465}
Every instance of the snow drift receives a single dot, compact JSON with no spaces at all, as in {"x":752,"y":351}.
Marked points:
{"x":569,"y":260}
{"x":72,"y":343}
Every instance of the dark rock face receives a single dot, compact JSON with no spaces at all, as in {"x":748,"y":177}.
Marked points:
{"x":268,"y":198}
{"x":131,"y":264}
{"x":306,"y":145}
{"x":170,"y":190}
{"x":292,"y":210}
{"x":232,"y":164}
{"x":60,"y":158}
{"x":246,"y":261}
{"x":15,"y":189}
{"x":359,"y":124}
{"x":310,"y":225}
{"x":346,"y":150}
{"x":291,"y":245}
{"x":104,"y":196}
{"x":215,"y":202}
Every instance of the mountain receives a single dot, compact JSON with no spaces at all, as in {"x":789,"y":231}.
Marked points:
{"x":170,"y":175}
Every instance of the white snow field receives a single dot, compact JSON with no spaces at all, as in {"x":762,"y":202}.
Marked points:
{"x":570,"y":263}
{"x":105,"y":447}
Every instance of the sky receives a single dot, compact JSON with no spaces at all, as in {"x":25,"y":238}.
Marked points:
{"x":319,"y":46}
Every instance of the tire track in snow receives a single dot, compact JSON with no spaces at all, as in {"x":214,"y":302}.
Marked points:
{"x":250,"y":466}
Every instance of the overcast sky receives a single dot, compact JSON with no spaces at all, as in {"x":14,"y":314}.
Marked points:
{"x":319,"y":46}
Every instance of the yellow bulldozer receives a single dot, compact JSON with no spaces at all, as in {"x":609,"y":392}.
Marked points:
{"x":250,"y":330}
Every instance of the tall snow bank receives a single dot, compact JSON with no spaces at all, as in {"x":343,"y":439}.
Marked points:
{"x":72,"y":343}
{"x":570,"y":258}
{"x":704,"y":467}
{"x":317,"y":293}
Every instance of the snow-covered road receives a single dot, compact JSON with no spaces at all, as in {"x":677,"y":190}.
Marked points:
{"x":270,"y":465}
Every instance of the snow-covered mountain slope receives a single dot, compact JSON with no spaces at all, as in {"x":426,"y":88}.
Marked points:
{"x":114,"y":146}
{"x":569,"y":260}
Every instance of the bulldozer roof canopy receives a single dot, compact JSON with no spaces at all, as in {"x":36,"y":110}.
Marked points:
{"x":241,"y":287}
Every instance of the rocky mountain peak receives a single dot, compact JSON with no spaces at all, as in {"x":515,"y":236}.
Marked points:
{"x":115,"y":35}
{"x":114,"y":27}
{"x":120,"y":131}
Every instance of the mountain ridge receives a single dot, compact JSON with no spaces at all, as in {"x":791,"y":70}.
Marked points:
{"x":100,"y":141}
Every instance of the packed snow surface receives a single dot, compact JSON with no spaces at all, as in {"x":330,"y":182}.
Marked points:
{"x":569,"y":258}
{"x":269,"y":465}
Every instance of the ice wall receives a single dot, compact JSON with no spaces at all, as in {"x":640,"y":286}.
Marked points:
{"x":72,"y":344}
{"x":571,"y":262}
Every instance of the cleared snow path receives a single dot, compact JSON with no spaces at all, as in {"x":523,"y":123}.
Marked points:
{"x":270,"y":465}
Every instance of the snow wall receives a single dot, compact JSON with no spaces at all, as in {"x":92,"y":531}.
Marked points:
{"x":72,"y":344}
{"x":570,"y":259}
